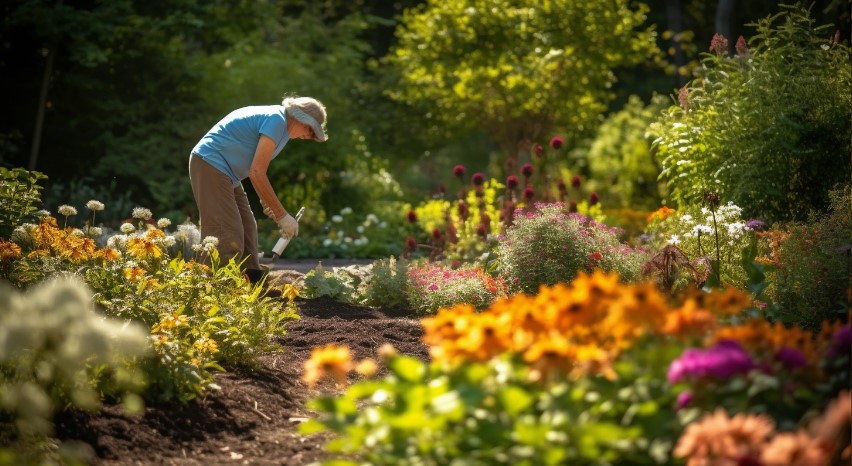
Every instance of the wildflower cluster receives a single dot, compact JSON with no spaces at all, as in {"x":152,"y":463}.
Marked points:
{"x":432,"y":287}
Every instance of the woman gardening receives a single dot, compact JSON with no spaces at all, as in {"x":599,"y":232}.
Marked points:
{"x":241,"y":146}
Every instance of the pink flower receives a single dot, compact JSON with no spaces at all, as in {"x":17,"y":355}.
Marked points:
{"x":719,"y":45}
{"x":683,"y":98}
{"x":741,"y":47}
{"x":527,"y":170}
{"x":557,"y":142}
{"x":433,"y":287}
{"x":458,"y":171}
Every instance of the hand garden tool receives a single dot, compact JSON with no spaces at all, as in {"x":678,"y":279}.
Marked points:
{"x":284,"y":240}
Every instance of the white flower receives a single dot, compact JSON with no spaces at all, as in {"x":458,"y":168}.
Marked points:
{"x":347,"y":240}
{"x":346,"y":211}
{"x":163,"y":223}
{"x":67,"y":210}
{"x":42,"y":213}
{"x":687,"y":219}
{"x":340,"y":234}
{"x":169,"y":241}
{"x":141,"y":213}
{"x":327,"y":242}
{"x":130,"y":264}
{"x":196,"y":247}
{"x":372,"y":218}
{"x":675,"y":239}
{"x":207,"y":247}
{"x":77,"y":232}
{"x":736,"y":229}
{"x":336,"y":218}
{"x":127,"y":228}
{"x":210,"y":240}
{"x":95,"y":231}
{"x":383,"y":225}
{"x":701,"y":230}
{"x":360,"y":229}
{"x":95,"y":205}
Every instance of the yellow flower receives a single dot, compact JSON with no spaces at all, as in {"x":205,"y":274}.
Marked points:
{"x":134,"y":273}
{"x":366,"y":367}
{"x":689,"y":320}
{"x":169,"y":322}
{"x":142,"y":249}
{"x":108,"y":254}
{"x":154,"y":234}
{"x":330,"y":360}
{"x":290,"y":292}
{"x":205,"y":345}
{"x":660,"y":214}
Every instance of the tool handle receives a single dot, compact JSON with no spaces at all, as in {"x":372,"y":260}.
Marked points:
{"x":284,"y":241}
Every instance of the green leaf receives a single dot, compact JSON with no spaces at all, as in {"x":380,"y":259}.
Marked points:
{"x":408,"y":368}
{"x":312,"y":426}
{"x":515,"y":399}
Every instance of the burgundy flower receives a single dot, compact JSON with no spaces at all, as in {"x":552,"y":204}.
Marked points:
{"x":463,"y":211}
{"x":593,"y":198}
{"x":511,"y":181}
{"x":412,"y":216}
{"x":529,"y":193}
{"x":557,"y":142}
{"x":741,"y":47}
{"x":527,"y":170}
{"x":410,"y":244}
{"x":719,"y":44}
{"x":477,"y":179}
{"x":484,"y":219}
{"x":575,"y":181}
{"x":458,"y":171}
{"x":482,"y":230}
{"x":479,"y":192}
{"x":538,"y":150}
{"x":436,"y":233}
{"x":561,"y":186}
{"x":837,"y":37}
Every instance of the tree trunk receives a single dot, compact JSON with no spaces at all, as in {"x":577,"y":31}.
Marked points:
{"x":725,"y":20}
{"x":674,"y":15}
{"x":42,"y":104}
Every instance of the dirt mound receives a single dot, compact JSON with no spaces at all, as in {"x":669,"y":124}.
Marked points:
{"x":253,"y":419}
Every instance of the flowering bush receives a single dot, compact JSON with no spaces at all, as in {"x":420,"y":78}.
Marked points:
{"x":432,"y":287}
{"x":55,"y":352}
{"x":547,"y":245}
{"x":573,"y":375}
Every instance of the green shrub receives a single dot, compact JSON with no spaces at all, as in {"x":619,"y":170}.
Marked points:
{"x":546,"y":245}
{"x":21,"y":194}
{"x":345,"y":284}
{"x":768,"y":128}
{"x":810,"y":281}
{"x":387,"y":283}
{"x":57,"y":352}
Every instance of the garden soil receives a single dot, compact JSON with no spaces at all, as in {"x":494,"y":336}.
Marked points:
{"x":254,"y":418}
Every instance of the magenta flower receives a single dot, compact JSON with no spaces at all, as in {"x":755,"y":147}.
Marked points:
{"x":529,"y":193}
{"x":719,"y":44}
{"x":741,"y":47}
{"x":538,"y":150}
{"x":683,"y":400}
{"x":527,"y":170}
{"x":459,"y":171}
{"x":790,"y":358}
{"x":593,"y":198}
{"x":722,"y":361}
{"x":575,"y":181}
{"x":557,"y":142}
{"x":477,"y":179}
{"x":841,"y":342}
{"x":412,"y":216}
{"x":433,"y":287}
{"x":512,"y":181}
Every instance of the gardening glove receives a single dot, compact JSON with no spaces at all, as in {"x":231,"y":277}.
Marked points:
{"x":267,"y":210}
{"x":289,"y":226}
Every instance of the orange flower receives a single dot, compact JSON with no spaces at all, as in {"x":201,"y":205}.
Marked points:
{"x":9,"y":251}
{"x":142,"y":249}
{"x":330,"y":360}
{"x":660,"y":214}
{"x":689,"y":320}
{"x":760,"y":336}
{"x":549,"y":356}
{"x":731,"y":301}
{"x":108,"y":254}
{"x":719,"y":439}
{"x":486,"y":338}
{"x":794,"y":449}
{"x":366,"y":367}
{"x":134,"y":273}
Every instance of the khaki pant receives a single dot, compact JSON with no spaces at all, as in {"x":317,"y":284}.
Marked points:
{"x":224,"y":212}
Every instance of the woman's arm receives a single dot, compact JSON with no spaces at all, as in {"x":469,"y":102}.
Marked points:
{"x":259,"y":180}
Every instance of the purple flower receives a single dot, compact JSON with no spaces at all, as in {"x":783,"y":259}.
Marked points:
{"x":683,"y":400}
{"x":722,"y":361}
{"x":790,"y":358}
{"x":841,"y":343}
{"x":756,"y":224}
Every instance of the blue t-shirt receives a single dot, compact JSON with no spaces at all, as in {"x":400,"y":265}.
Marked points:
{"x":230,"y":145}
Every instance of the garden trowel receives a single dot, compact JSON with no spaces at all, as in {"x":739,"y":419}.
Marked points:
{"x":284,"y":241}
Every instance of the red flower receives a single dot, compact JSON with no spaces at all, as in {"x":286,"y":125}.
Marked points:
{"x":436,"y":233}
{"x":458,"y":171}
{"x":512,"y":181}
{"x":529,"y":193}
{"x":557,"y":142}
{"x":575,"y":181}
{"x":593,"y":198}
{"x":595,"y":256}
{"x":410,"y":244}
{"x":477,"y":179}
{"x":412,"y":216}
{"x":741,"y":47}
{"x":538,"y":150}
{"x":527,"y":170}
{"x":719,"y":44}
{"x":484,"y":219}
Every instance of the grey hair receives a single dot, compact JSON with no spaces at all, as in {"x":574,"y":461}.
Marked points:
{"x":309,"y":111}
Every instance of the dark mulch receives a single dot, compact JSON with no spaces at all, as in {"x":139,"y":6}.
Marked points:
{"x":254,"y":418}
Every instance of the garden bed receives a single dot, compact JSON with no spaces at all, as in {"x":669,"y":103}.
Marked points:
{"x":253,"y":419}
